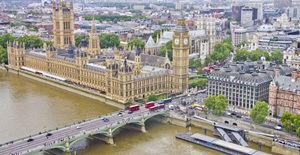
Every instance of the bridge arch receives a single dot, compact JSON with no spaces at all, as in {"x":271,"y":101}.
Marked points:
{"x":63,"y":148}
{"x":78,"y":139}
{"x":146,"y":118}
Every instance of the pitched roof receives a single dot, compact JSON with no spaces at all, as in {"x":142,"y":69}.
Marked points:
{"x":149,"y":59}
{"x":150,"y":42}
{"x":286,"y":83}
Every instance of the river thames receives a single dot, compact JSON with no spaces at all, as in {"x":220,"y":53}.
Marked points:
{"x":29,"y":107}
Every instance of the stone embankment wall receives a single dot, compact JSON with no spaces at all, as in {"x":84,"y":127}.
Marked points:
{"x":284,"y":149}
{"x":266,"y":141}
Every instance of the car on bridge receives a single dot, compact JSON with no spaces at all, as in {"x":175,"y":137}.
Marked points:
{"x":120,"y":114}
{"x":105,"y":119}
{"x":30,"y":140}
{"x":78,"y":127}
{"x":48,"y":134}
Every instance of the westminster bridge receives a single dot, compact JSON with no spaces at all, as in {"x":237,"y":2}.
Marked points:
{"x":101,"y":128}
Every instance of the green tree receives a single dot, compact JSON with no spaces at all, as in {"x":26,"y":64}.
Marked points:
{"x":157,"y":33}
{"x":227,"y":40}
{"x":200,"y":71}
{"x":217,"y":104}
{"x":152,"y":97}
{"x":109,"y":40}
{"x":242,"y":44}
{"x":79,"y":38}
{"x":136,"y":42}
{"x":259,"y":112}
{"x":256,"y":55}
{"x":208,"y":60}
{"x":6,"y":38}
{"x":287,"y":120}
{"x":241,"y":54}
{"x":36,"y":42}
{"x":277,"y":56}
{"x":3,"y":55}
{"x":168,"y":48}
{"x":195,"y":63}
{"x":222,"y":50}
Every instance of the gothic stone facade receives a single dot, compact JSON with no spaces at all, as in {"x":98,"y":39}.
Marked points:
{"x":122,"y":75}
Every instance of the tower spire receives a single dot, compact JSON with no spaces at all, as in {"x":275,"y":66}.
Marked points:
{"x":93,"y":29}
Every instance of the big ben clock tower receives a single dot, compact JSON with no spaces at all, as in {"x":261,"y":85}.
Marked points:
{"x":181,"y":47}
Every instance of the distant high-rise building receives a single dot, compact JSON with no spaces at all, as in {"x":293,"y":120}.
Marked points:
{"x":258,"y":6}
{"x":293,"y":12}
{"x":282,"y":3}
{"x":247,"y":16}
{"x":236,"y":13}
{"x":178,"y":5}
{"x":239,"y":35}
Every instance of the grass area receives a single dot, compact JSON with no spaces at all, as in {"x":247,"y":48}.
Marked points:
{"x":197,"y":77}
{"x":157,"y":97}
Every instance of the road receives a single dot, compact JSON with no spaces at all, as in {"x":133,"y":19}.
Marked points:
{"x":72,"y":131}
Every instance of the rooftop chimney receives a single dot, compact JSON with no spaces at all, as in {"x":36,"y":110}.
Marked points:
{"x":295,"y":75}
{"x":276,"y":73}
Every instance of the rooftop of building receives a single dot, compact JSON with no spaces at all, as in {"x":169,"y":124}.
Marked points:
{"x":287,"y":84}
{"x":248,"y":72}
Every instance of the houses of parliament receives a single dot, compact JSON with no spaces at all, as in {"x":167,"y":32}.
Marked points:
{"x":122,"y":75}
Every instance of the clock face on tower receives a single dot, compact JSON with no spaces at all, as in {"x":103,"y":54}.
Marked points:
{"x":176,"y":41}
{"x":185,"y":41}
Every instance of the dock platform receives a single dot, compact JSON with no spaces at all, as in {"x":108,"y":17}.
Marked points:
{"x":218,"y":145}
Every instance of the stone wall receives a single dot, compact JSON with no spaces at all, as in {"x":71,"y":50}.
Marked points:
{"x":283,"y":149}
{"x":266,"y":141}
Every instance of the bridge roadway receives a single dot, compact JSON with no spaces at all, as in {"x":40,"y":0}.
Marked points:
{"x":21,"y":146}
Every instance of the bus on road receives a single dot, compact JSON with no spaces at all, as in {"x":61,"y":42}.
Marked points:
{"x":165,"y":101}
{"x":162,"y":106}
{"x":149,"y":104}
{"x":134,"y":108}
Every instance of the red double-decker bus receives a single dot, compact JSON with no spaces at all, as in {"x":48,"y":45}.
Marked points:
{"x":162,"y":106}
{"x":149,"y":104}
{"x":134,"y":108}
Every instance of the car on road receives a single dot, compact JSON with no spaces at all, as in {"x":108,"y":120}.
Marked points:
{"x":48,"y":134}
{"x":227,"y":113}
{"x":239,"y":116}
{"x":78,"y":127}
{"x":120,"y":114}
{"x":30,"y":140}
{"x":278,"y":127}
{"x":246,"y":116}
{"x":130,"y":112}
{"x":106,"y":120}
